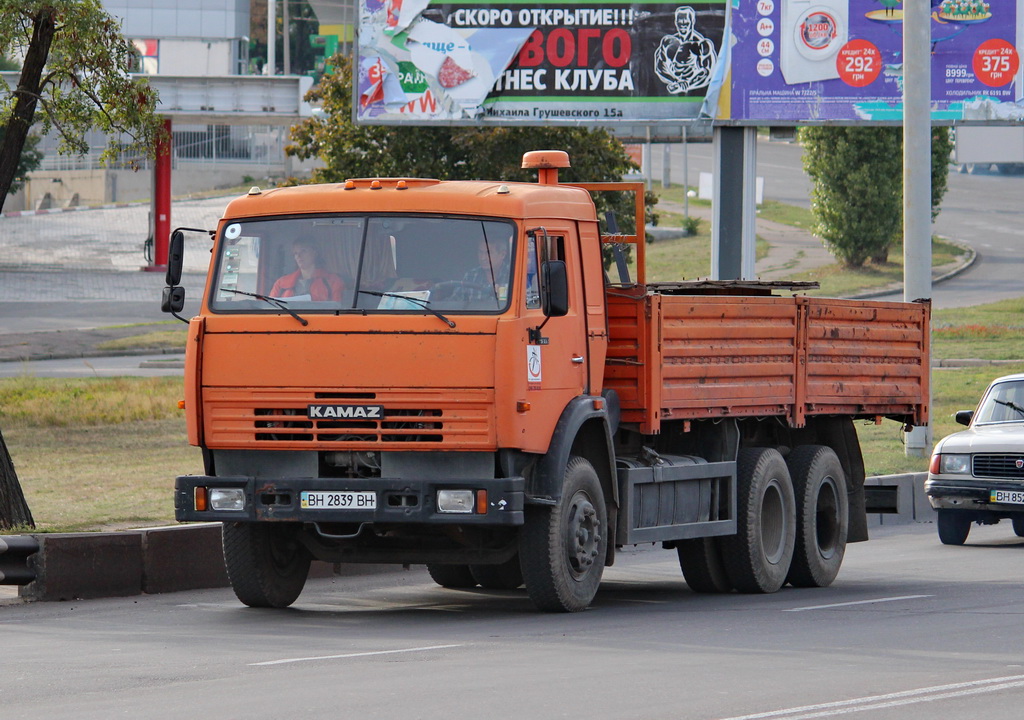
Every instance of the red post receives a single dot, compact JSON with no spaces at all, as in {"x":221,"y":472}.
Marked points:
{"x":161,"y":200}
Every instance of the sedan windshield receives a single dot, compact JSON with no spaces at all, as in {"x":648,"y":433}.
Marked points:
{"x":386,"y":263}
{"x":1004,"y":402}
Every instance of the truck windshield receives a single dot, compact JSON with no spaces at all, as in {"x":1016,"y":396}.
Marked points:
{"x":409,"y":264}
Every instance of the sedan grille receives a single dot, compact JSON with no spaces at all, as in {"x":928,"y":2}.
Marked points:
{"x":999,"y":466}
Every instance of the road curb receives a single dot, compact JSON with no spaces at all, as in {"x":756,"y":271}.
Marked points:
{"x":73,"y":566}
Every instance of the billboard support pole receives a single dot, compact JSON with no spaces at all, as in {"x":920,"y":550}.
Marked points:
{"x":732,"y":224}
{"x":917,"y":189}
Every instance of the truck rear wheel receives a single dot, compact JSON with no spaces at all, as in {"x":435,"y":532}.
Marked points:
{"x":701,"y":562}
{"x":457,"y":577}
{"x":954,"y":527}
{"x":266,"y":563}
{"x":822,"y":517}
{"x":506,"y":576}
{"x":562,"y":547}
{"x":758,"y":556}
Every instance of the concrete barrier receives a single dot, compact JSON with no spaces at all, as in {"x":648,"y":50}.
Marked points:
{"x":149,"y":560}
{"x":905,"y":492}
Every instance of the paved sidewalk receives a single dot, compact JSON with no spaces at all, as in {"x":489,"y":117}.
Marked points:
{"x":791,"y":250}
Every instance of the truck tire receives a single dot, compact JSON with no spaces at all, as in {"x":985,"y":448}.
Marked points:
{"x":266,"y":563}
{"x":562,"y":547}
{"x":457,"y":577}
{"x":701,"y":562}
{"x":506,"y":576}
{"x":954,"y":527}
{"x":822,"y":516}
{"x":758,"y":556}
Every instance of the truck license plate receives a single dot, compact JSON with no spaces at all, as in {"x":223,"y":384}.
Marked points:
{"x":1010,"y":497}
{"x":339,"y":500}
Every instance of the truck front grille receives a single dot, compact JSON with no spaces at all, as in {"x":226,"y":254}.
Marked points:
{"x":279,"y":419}
{"x":999,"y":466}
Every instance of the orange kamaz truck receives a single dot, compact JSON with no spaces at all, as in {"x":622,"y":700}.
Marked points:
{"x":448,"y":373}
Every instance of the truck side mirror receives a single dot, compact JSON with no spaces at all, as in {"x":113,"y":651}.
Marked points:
{"x":964,"y":416}
{"x":175,"y":258}
{"x":173,"y":300}
{"x":555,"y":288}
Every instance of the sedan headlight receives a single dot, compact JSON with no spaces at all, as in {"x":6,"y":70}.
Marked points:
{"x":954,"y":464}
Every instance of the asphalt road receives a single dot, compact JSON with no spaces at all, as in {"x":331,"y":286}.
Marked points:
{"x":911,"y":630}
{"x":983,"y":211}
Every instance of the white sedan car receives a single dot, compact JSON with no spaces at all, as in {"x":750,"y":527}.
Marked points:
{"x":977,"y":475}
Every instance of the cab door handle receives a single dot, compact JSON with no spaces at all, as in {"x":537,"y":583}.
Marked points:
{"x":578,"y":359}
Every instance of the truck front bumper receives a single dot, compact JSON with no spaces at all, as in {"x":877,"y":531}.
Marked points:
{"x":496,"y":501}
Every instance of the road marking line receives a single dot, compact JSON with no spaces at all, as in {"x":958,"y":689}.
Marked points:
{"x":353,"y":655}
{"x":857,"y":602}
{"x":877,"y":702}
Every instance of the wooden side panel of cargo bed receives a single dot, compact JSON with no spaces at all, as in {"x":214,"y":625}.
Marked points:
{"x":633,"y":350}
{"x":728,"y":356}
{"x":701,"y":357}
{"x":867,"y":358}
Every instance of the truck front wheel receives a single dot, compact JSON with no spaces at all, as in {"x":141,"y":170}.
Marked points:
{"x":562,"y":547}
{"x":758,"y":556}
{"x":822,"y":515}
{"x":266,"y":563}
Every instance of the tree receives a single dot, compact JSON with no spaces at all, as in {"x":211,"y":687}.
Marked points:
{"x":75,"y":68}
{"x":76,"y":71}
{"x":857,"y":197}
{"x":468,"y":153}
{"x":27,"y":162}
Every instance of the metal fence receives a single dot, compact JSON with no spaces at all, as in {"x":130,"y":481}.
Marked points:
{"x":192,"y":145}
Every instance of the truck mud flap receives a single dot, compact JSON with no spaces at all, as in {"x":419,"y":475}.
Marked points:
{"x":673,"y":497}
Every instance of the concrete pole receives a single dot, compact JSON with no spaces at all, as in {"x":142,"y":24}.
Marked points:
{"x":917,"y":187}
{"x":271,"y":37}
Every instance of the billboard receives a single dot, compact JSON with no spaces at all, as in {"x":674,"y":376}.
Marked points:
{"x":801,"y":61}
{"x":538,"y":62}
{"x":657,"y":63}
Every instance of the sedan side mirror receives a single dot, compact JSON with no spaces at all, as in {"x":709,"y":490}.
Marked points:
{"x":964,"y":416}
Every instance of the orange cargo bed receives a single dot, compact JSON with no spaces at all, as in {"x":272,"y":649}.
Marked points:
{"x":681,"y":357}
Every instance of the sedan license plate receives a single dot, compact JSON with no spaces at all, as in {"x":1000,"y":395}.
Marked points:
{"x":338,"y":500}
{"x":1008,"y":497}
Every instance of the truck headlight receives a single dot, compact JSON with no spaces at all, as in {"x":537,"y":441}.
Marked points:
{"x":950,"y":464}
{"x":456,"y":501}
{"x":227,"y":499}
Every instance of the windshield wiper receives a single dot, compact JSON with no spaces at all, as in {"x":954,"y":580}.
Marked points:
{"x":272,"y":300}
{"x":1011,"y":405}
{"x":425,"y":304}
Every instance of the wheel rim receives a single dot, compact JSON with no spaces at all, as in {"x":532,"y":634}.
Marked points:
{"x":583,"y":535}
{"x":773,"y":523}
{"x":826,"y":518}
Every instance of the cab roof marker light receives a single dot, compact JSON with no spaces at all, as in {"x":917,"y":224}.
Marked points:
{"x":254,"y":190}
{"x":503,"y":190}
{"x":375,"y":185}
{"x":401,"y":185}
{"x":350,"y":184}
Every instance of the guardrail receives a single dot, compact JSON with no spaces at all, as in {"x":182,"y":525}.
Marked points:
{"x":15,"y":551}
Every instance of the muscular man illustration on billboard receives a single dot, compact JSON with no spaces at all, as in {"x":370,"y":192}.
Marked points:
{"x":684,"y":60}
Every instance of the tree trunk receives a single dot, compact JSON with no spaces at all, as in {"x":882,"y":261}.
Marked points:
{"x":14,"y":510}
{"x":44,"y":26}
